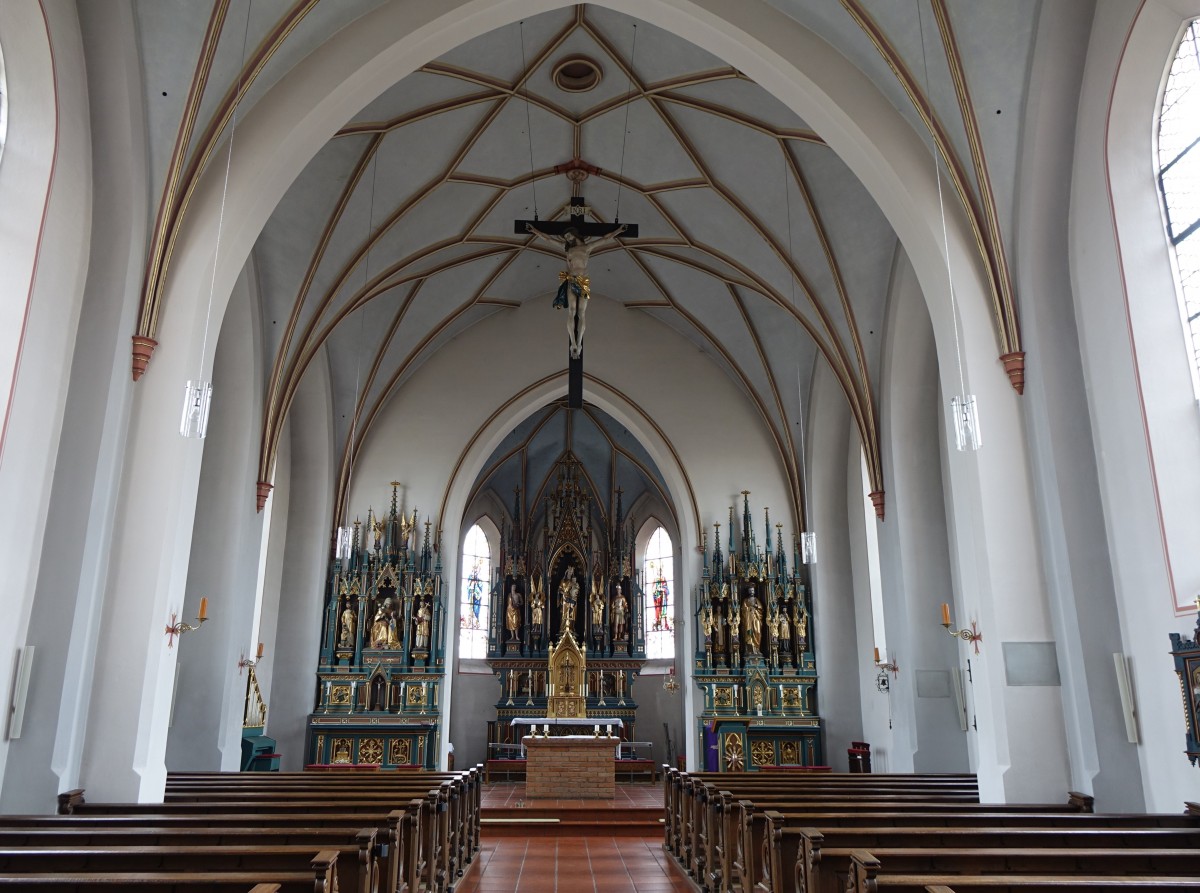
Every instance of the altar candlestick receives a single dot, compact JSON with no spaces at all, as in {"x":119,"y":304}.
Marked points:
{"x":203,"y":615}
{"x":945,"y":614}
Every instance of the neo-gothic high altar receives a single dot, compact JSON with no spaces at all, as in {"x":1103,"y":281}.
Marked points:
{"x":754,"y":656}
{"x":566,"y":637}
{"x":382,"y":649}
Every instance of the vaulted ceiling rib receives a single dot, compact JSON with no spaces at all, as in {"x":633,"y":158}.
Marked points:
{"x":438,"y":166}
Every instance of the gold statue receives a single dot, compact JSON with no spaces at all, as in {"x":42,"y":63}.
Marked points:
{"x":568,"y":592}
{"x":424,"y":616}
{"x":349,"y":624}
{"x":512,"y":613}
{"x":383,"y":627}
{"x":537,"y":601}
{"x":752,"y":617}
{"x":620,"y":619}
{"x":596,"y":599}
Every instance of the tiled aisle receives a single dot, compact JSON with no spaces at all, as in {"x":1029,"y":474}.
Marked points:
{"x":574,"y":865}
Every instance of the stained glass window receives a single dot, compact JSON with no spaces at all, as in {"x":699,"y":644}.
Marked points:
{"x":474,"y":596}
{"x":658,"y":569}
{"x":1179,"y":178}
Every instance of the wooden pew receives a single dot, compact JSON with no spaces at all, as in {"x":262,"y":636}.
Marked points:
{"x":353,"y":864}
{"x":868,"y":877}
{"x":403,"y":834}
{"x":812,"y":860}
{"x":685,"y":794}
{"x":460,"y":824}
{"x":318,"y":878}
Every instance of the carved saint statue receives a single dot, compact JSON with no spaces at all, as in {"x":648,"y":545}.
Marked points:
{"x":575,"y":290}
{"x":383,"y":627}
{"x":349,"y":624}
{"x":378,"y":529}
{"x":596,"y":600}
{"x":424,"y":616}
{"x":537,"y":601}
{"x":568,"y":593}
{"x":752,"y":616}
{"x":706,"y":622}
{"x":620,"y":616}
{"x":512,"y":614}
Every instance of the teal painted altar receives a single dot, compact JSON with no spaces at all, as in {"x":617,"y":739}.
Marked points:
{"x":382,"y":663}
{"x":753,"y":656}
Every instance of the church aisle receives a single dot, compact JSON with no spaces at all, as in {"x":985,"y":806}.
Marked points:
{"x":577,"y":864}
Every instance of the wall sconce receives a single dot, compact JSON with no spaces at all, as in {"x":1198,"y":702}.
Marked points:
{"x":972,"y":635}
{"x":882,"y":683}
{"x":670,"y":683}
{"x":247,"y":662}
{"x":178,"y":627}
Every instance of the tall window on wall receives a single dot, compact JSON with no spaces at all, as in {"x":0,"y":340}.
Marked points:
{"x":474,"y":598}
{"x":1179,"y":179}
{"x":658,"y":569}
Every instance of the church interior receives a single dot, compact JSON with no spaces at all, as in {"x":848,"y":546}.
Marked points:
{"x":748,"y":382}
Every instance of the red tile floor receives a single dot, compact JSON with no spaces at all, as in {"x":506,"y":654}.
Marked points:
{"x":575,"y":864}
{"x":596,"y":863}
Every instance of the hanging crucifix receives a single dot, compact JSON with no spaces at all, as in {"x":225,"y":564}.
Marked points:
{"x":578,"y":239}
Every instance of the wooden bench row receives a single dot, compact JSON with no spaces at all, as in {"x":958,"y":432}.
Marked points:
{"x":395,"y":832}
{"x":830,"y":833}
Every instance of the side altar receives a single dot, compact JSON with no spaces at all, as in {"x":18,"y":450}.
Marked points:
{"x":382,"y":663}
{"x":754,"y":657}
{"x":567,"y":635}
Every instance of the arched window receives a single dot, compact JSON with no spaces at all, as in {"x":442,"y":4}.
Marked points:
{"x":475,"y":596}
{"x":1179,"y":180}
{"x":658,"y":571}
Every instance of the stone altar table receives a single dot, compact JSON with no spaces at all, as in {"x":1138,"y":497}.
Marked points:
{"x":569,"y":767}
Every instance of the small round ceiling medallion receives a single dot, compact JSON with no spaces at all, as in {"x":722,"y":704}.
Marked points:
{"x":576,"y":74}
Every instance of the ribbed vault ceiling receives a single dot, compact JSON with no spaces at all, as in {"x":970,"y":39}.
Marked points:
{"x":757,"y":243}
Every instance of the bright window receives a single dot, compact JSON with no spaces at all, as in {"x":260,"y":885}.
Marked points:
{"x":474,"y":595}
{"x":1179,"y":179}
{"x":658,"y":568}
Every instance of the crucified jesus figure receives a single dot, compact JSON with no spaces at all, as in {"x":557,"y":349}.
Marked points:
{"x":575,"y":291}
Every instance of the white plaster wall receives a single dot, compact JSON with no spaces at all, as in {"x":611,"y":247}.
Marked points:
{"x":226,"y":538}
{"x":913,"y":539}
{"x":1071,"y":520}
{"x":1142,"y":411}
{"x":890,"y":752}
{"x":296,"y":632}
{"x":273,"y":596}
{"x":48,"y":121}
{"x":69,"y":591}
{"x":837,"y":641}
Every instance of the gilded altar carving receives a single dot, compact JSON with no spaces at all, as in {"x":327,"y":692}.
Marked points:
{"x":370,"y":750}
{"x":341,"y":750}
{"x":339,"y":695}
{"x":734,"y":755}
{"x":762,"y":753}
{"x":789,"y":753}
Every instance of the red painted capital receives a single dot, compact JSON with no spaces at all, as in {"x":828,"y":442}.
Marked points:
{"x":143,"y":350}
{"x":1014,"y":365}
{"x":877,"y":501}
{"x":264,"y":490}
